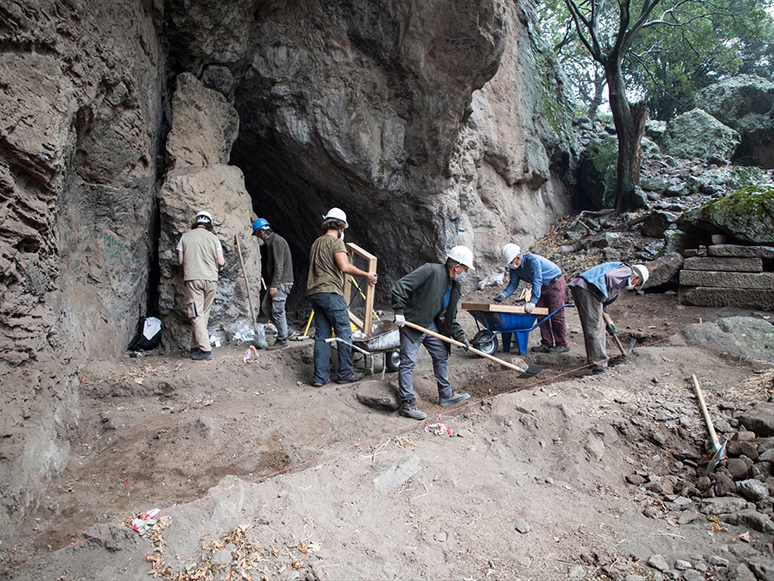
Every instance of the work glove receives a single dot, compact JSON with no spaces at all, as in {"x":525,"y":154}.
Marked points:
{"x":499,"y":298}
{"x":529,"y":307}
{"x":465,"y":345}
{"x":400,"y":320}
{"x":610,"y":329}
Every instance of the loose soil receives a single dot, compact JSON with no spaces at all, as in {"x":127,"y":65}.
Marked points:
{"x":531,"y":485}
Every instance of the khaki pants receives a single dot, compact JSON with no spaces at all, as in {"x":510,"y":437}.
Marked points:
{"x":590,"y":314}
{"x":200,"y":294}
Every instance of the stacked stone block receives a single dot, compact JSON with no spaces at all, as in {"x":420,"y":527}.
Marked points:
{"x":729,"y":276}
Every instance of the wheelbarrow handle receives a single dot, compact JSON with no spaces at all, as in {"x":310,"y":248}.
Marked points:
{"x":458,"y":344}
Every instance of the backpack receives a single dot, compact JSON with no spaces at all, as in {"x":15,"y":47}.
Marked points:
{"x":148,"y":334}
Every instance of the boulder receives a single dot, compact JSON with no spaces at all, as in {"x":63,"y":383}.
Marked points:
{"x":750,"y":518}
{"x":654,"y":129}
{"x":597,"y":172}
{"x":663,"y":269}
{"x":676,"y":241}
{"x":738,"y":336}
{"x":747,"y":215}
{"x":745,"y":103}
{"x":657,"y":223}
{"x":654,"y":184}
{"x":697,"y":135}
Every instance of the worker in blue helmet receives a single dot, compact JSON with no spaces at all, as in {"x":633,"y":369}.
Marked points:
{"x":279,"y":271}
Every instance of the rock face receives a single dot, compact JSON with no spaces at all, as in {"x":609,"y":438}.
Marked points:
{"x":597,"y":172}
{"x":745,"y":104}
{"x":747,"y":215}
{"x":698,"y":135}
{"x":121,"y":117}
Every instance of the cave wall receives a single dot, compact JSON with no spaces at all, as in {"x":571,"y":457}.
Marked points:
{"x":81,"y":86}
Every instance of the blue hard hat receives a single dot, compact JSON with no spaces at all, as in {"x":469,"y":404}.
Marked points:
{"x":260,"y":223}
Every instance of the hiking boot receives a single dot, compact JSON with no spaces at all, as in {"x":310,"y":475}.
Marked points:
{"x":558,"y":349}
{"x":353,"y":377}
{"x":321,"y":383}
{"x":599,"y":370}
{"x":202,"y":356}
{"x":541,"y":349}
{"x":195,"y":350}
{"x":279,"y":344}
{"x":409,"y":409}
{"x":454,"y":398}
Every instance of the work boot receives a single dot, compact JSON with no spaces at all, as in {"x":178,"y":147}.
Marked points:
{"x":599,"y":370}
{"x":558,"y":349}
{"x":202,"y":356}
{"x":409,"y":409}
{"x":453,"y":399}
{"x":321,"y":383}
{"x":541,"y":349}
{"x":352,"y":378}
{"x":279,"y":344}
{"x":195,"y":350}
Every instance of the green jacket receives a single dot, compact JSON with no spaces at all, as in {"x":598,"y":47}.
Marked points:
{"x":279,"y":265}
{"x":418,"y":296}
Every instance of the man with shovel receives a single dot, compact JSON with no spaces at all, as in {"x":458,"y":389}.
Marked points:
{"x":592,"y":292}
{"x":428,"y":297}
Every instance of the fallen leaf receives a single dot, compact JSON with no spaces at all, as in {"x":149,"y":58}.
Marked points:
{"x":667,"y":359}
{"x":297,"y":564}
{"x":207,"y":402}
{"x":746,"y":537}
{"x":275,"y":550}
{"x":716,"y":528}
{"x":258,"y":393}
{"x":138,"y":380}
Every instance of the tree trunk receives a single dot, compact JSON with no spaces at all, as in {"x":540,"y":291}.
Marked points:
{"x":596,"y":101}
{"x":629,"y":123}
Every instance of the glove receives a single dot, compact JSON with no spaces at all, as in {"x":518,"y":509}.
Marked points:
{"x":400,"y":320}
{"x":466,"y":345}
{"x":529,"y":307}
{"x":610,"y":329}
{"x":499,"y":298}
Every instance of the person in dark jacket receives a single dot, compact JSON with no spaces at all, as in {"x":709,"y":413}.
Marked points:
{"x":279,"y":269}
{"x":428,"y":297}
{"x":592,"y":292}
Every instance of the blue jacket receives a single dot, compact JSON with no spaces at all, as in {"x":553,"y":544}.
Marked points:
{"x":604,"y":281}
{"x":535,"y":269}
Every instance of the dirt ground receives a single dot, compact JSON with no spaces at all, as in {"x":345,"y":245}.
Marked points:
{"x":531,"y":484}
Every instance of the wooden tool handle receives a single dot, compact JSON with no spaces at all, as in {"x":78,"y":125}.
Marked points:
{"x":609,"y":321}
{"x":458,"y":344}
{"x":705,"y":413}
{"x":247,"y":283}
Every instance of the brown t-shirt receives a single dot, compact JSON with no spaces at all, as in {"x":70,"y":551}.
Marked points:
{"x":324,"y":273}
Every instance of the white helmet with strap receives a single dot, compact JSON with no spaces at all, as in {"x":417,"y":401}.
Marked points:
{"x":203,"y":218}
{"x":463,"y":255}
{"x":510,"y":251}
{"x":336,"y":214}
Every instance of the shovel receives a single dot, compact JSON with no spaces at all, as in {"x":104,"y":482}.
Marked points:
{"x":609,"y":323}
{"x":719,"y":450}
{"x":531,"y":371}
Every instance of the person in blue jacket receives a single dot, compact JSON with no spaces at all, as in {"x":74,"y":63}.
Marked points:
{"x":592,"y":292}
{"x":548,"y":290}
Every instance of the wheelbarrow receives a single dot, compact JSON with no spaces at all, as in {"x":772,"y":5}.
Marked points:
{"x":504,"y":320}
{"x":384,"y":338}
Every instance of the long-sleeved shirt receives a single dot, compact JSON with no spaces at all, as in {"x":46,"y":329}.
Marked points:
{"x":279,"y":265}
{"x":535,"y":269}
{"x":604,"y":281}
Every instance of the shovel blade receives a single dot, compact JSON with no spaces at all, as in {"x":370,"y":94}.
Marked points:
{"x":531,"y":371}
{"x":716,"y":458}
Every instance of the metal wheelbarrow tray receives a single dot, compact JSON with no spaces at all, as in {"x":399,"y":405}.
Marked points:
{"x":505,"y":319}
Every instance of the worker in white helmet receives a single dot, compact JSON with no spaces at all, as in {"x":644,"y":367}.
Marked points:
{"x":200,"y":253}
{"x":592,"y":292}
{"x":548,"y":290}
{"x":428,"y":297}
{"x":328,"y":263}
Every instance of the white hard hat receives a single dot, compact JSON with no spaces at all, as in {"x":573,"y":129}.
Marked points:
{"x":510,"y":251}
{"x":463,"y":255}
{"x":203,"y":218}
{"x":336,"y":214}
{"x":642,"y":271}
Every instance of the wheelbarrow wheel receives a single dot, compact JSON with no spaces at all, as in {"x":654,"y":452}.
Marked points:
{"x":393,"y":360}
{"x":485,"y":342}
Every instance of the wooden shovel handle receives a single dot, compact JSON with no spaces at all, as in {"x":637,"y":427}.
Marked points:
{"x":609,"y":321}
{"x":458,"y":344}
{"x":705,"y":413}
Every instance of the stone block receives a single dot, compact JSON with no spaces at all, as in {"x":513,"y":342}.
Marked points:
{"x":760,"y":419}
{"x":700,"y":296}
{"x":738,"y":251}
{"x":758,"y":280}
{"x":724,"y":264}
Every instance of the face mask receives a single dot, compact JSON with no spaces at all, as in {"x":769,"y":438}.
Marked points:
{"x":629,"y":285}
{"x":260,"y":241}
{"x":461,"y":276}
{"x":341,"y":235}
{"x":512,"y":266}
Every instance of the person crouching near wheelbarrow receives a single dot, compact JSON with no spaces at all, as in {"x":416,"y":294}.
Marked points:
{"x":428,"y":297}
{"x":548,"y":290}
{"x":592,"y":292}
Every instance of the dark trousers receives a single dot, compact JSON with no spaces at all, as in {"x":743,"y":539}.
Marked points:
{"x":554,"y":331}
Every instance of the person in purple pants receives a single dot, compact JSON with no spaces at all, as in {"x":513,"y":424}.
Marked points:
{"x":548,"y":290}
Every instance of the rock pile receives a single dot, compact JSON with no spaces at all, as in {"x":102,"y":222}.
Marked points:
{"x":729,"y":275}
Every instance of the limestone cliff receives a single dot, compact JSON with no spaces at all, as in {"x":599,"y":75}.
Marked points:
{"x":431,"y":122}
